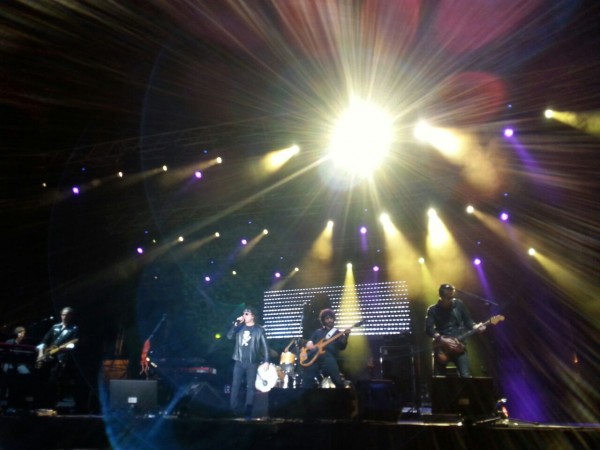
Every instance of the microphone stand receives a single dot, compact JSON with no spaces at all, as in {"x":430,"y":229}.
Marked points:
{"x":477,"y":297}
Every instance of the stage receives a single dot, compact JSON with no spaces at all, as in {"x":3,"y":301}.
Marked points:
{"x":173,"y":432}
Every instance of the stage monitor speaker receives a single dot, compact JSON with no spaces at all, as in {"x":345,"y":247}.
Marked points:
{"x":137,"y":396}
{"x":470,"y":397}
{"x":311,"y":403}
{"x":378,"y":400}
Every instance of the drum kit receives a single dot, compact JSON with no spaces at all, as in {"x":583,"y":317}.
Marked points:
{"x":285,"y":375}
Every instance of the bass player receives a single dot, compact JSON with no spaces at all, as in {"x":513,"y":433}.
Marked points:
{"x":326,"y":363}
{"x":445,"y":321}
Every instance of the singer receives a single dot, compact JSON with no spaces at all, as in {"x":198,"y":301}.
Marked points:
{"x":250,"y":350}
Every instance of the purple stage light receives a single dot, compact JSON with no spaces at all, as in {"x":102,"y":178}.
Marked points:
{"x":504,"y":217}
{"x":509,"y":132}
{"x":198,"y":174}
{"x":244,"y":241}
{"x":140,"y":250}
{"x":375,"y":268}
{"x":75,"y":190}
{"x":477,"y":261}
{"x":207,"y":278}
{"x":363,"y":230}
{"x":277,"y":275}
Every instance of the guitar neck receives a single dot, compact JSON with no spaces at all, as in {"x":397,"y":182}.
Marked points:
{"x":473,"y":331}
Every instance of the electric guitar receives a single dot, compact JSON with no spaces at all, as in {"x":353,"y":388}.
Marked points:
{"x":49,"y":352}
{"x":307,"y":360}
{"x":448,"y":346}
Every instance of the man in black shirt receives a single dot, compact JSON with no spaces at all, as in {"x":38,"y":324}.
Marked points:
{"x":55,"y":362}
{"x":326,"y":363}
{"x":445,"y":321}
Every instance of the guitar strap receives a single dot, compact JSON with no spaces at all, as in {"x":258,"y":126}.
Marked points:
{"x":331,"y":333}
{"x":459,"y":318}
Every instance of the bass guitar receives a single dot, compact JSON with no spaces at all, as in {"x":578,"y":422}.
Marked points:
{"x":307,"y":359}
{"x":448,"y":346}
{"x":49,"y":352}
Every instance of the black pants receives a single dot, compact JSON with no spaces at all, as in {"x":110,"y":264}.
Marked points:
{"x":326,"y":365}
{"x":243,"y":372}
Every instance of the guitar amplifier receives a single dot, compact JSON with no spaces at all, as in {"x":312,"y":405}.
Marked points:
{"x":137,"y":396}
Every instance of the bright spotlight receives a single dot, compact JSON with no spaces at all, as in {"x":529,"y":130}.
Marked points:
{"x":330,"y":224}
{"x":384,"y":218}
{"x":477,"y":261}
{"x":531,"y":251}
{"x":219,"y":160}
{"x":180,"y":239}
{"x":470,"y":209}
{"x":431,"y":213}
{"x":165,"y":168}
{"x":549,"y":114}
{"x":349,"y":266}
{"x":422,"y":131}
{"x":509,"y":132}
{"x":361,"y":139}
{"x":265,"y":231}
{"x":421,"y":260}
{"x":504,"y":217}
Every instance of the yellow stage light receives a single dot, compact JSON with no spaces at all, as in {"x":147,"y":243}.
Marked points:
{"x":470,"y":209}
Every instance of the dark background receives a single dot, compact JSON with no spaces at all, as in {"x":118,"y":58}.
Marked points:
{"x":89,"y":89}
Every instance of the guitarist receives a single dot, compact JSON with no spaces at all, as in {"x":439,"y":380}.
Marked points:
{"x":445,"y":320}
{"x":326,"y":363}
{"x":56,"y":367}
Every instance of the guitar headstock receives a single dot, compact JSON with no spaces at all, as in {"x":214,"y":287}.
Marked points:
{"x":496,"y":319}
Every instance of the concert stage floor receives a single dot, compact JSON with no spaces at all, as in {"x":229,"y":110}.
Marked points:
{"x":426,"y":432}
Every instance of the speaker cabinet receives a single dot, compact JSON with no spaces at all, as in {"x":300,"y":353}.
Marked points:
{"x":378,"y":400}
{"x":469,"y":397}
{"x":398,"y":366}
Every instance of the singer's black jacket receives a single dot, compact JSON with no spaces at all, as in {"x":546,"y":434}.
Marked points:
{"x":259,"y":350}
